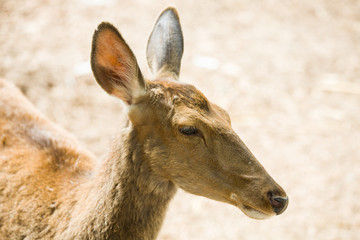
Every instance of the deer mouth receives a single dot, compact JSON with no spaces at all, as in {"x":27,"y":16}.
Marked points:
{"x":253,"y":213}
{"x":249,"y":211}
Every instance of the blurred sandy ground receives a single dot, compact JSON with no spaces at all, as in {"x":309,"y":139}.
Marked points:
{"x":287,"y":71}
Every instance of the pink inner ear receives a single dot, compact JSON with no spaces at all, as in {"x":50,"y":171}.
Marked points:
{"x":117,"y":65}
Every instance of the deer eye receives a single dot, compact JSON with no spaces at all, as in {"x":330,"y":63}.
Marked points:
{"x":188,"y":130}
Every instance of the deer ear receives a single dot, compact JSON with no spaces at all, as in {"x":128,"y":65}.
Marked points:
{"x":165,"y":45}
{"x":114,"y":65}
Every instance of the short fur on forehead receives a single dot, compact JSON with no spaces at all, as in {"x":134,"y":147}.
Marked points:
{"x":179,"y":92}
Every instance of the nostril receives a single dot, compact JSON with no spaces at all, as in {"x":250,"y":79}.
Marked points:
{"x":279,"y":204}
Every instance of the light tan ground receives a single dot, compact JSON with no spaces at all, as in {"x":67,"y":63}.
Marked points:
{"x":287,"y":71}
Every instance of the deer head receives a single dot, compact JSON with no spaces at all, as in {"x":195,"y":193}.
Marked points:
{"x":186,"y":139}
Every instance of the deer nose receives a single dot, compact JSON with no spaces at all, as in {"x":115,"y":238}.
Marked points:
{"x":279,"y":204}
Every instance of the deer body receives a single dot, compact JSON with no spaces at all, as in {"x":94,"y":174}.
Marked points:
{"x":59,"y":181}
{"x":48,"y":173}
{"x":51,"y":188}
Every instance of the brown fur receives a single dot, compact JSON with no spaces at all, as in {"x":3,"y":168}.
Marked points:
{"x":51,"y":188}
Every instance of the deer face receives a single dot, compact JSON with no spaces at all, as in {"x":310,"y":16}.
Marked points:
{"x":187,"y":139}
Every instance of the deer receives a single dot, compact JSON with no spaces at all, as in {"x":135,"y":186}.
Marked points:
{"x":173,"y":137}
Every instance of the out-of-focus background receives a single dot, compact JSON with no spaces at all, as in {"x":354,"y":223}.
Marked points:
{"x":288,"y":72}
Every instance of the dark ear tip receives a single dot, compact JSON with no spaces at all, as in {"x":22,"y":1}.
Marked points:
{"x":170,"y":10}
{"x":105,"y":25}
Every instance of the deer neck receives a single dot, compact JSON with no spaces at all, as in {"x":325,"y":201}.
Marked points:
{"x":130,"y":201}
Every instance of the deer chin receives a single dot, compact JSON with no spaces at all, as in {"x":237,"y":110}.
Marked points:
{"x":253,"y":213}
{"x":249,"y":211}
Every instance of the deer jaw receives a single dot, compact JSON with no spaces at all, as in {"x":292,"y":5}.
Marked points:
{"x":213,"y":162}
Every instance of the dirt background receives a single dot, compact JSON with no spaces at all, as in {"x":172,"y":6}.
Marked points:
{"x":288,"y":72}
